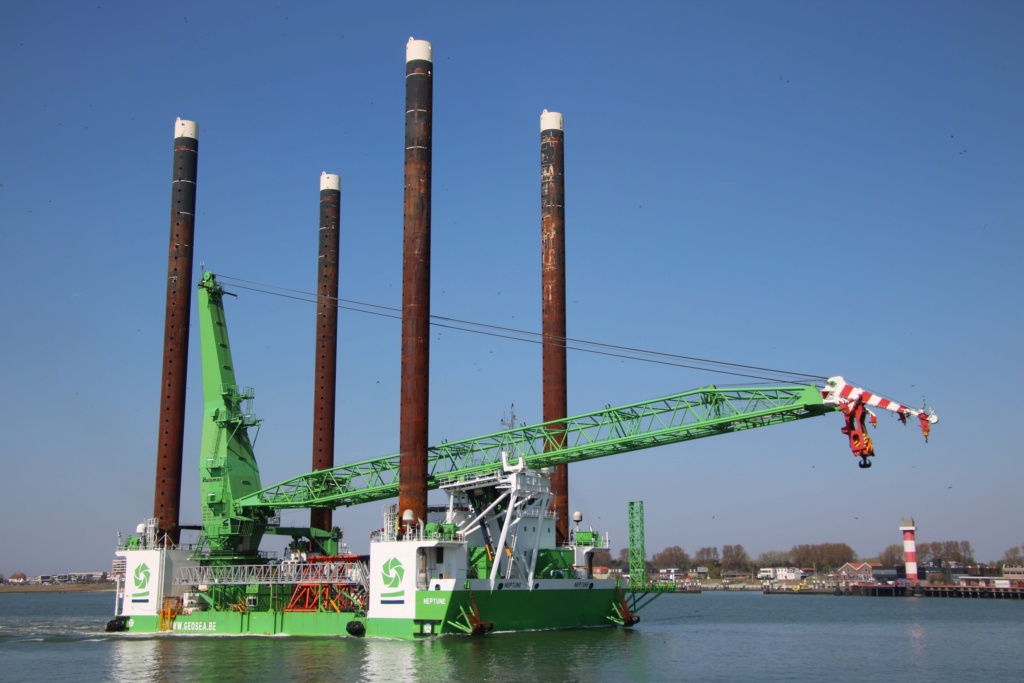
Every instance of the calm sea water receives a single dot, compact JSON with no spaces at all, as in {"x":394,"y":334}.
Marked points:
{"x":708,"y":637}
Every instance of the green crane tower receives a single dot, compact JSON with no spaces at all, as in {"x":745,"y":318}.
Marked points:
{"x":227,"y":466}
{"x":637,"y":552}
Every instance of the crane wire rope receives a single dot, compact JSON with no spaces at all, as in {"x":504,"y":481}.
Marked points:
{"x":514,"y":334}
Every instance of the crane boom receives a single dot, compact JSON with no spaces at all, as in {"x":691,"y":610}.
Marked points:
{"x":237,"y":511}
{"x":695,"y":414}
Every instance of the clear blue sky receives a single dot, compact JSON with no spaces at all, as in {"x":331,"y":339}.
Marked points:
{"x":822,"y":187}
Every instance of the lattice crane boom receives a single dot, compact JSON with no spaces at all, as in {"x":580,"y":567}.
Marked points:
{"x":236,"y":510}
{"x":695,"y":414}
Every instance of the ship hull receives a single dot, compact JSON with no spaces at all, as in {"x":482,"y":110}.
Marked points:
{"x":436,"y":613}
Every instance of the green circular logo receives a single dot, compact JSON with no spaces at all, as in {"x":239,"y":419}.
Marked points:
{"x":393,"y":573}
{"x":141,"y":576}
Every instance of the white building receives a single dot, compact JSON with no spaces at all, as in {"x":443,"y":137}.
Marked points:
{"x":780,"y":574}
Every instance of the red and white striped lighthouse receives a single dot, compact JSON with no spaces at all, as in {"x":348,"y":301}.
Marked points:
{"x":909,"y":548}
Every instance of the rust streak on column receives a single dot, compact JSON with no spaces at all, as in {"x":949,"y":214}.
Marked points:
{"x":167,"y":498}
{"x":415,"y":393}
{"x":326,"y":338}
{"x":552,"y":227}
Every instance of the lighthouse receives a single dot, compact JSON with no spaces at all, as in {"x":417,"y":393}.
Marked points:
{"x":909,"y":548}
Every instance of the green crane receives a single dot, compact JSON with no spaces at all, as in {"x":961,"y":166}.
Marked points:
{"x":236,"y":509}
{"x":709,"y":411}
{"x":227,"y":465}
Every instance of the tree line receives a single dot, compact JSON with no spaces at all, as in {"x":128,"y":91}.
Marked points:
{"x":824,"y":556}
{"x":946,"y":552}
{"x":734,"y":558}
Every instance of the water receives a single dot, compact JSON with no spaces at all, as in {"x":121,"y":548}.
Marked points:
{"x":709,"y":637}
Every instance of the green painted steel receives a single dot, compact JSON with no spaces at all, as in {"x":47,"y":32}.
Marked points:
{"x":259,"y":623}
{"x":437,"y":613}
{"x":545,"y":609}
{"x":637,"y":552}
{"x":227,"y":465}
{"x":144,"y":624}
{"x":709,"y":411}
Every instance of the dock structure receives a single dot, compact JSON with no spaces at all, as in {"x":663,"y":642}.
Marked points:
{"x":940,"y":590}
{"x":957,"y":591}
{"x":923,"y":590}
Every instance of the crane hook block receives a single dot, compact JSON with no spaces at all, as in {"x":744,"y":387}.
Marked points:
{"x":853,"y":401}
{"x":857,"y":429}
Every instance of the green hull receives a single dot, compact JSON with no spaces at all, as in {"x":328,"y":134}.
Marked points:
{"x":453,"y":613}
{"x":437,"y":613}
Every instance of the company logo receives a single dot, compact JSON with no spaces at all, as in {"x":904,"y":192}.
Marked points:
{"x":141,"y":576}
{"x":391,"y":575}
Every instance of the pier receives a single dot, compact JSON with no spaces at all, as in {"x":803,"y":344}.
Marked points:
{"x":942,"y":590}
{"x":955,"y":591}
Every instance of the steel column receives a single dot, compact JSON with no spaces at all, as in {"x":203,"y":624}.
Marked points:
{"x":552,"y":223}
{"x":167,"y":497}
{"x":326,"y":338}
{"x":415,"y":392}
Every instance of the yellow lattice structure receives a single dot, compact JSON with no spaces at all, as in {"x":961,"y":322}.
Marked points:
{"x":171,"y":609}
